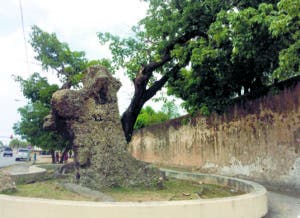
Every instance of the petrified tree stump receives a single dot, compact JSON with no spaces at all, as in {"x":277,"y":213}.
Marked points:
{"x":90,"y":118}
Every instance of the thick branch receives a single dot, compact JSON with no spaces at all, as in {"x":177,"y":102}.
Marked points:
{"x":166,"y":57}
{"x":155,"y":87}
{"x":141,"y":96}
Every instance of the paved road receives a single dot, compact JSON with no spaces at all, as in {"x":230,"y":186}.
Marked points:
{"x":283,"y":206}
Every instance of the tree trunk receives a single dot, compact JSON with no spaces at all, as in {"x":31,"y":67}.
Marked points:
{"x":65,"y":152}
{"x":52,"y":156}
{"x":142,"y":95}
{"x":128,"y":119}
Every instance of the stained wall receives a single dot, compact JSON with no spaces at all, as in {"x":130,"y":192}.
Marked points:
{"x":256,"y":139}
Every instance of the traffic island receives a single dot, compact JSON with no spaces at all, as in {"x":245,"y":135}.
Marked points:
{"x":253,"y":204}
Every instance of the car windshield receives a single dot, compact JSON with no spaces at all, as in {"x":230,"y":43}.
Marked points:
{"x":7,"y":149}
{"x":23,"y":150}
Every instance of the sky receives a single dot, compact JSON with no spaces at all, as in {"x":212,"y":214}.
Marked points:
{"x":75,"y":22}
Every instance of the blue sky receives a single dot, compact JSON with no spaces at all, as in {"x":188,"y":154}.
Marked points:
{"x":74,"y":22}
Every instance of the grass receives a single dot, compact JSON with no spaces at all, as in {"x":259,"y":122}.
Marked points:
{"x":49,"y":189}
{"x":174,"y":190}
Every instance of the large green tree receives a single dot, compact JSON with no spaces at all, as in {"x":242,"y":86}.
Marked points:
{"x":237,"y":58}
{"x":246,"y":50}
{"x":39,"y":92}
{"x":57,"y":56}
{"x":175,"y":36}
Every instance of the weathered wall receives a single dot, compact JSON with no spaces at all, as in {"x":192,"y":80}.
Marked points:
{"x":258,"y":140}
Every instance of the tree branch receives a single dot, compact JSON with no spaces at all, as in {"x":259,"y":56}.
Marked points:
{"x":155,"y":88}
{"x":152,"y":66}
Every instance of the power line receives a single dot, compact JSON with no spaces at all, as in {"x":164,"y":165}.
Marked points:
{"x":24,"y":36}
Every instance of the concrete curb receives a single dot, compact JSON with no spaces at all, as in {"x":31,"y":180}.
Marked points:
{"x":250,"y":205}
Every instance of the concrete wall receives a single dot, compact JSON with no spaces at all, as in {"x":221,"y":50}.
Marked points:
{"x":257,"y":139}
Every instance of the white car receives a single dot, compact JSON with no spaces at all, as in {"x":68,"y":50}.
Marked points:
{"x":7,"y":152}
{"x":23,"y":154}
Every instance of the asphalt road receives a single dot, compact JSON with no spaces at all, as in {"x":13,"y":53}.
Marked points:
{"x":283,"y":206}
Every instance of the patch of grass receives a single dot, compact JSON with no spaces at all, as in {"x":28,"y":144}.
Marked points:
{"x":174,"y":190}
{"x":49,"y":189}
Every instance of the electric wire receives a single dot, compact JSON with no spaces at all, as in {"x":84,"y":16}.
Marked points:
{"x":24,"y":36}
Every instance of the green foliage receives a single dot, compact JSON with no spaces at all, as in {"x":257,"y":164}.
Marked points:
{"x":103,"y":62}
{"x":224,"y":49}
{"x":36,"y":88}
{"x":240,"y":56}
{"x":1,"y":143}
{"x":285,"y":26}
{"x":39,"y":92}
{"x":17,"y":143}
{"x":148,"y":117}
{"x":57,"y":55}
{"x":170,"y":109}
{"x":70,"y":66}
{"x":166,"y":30}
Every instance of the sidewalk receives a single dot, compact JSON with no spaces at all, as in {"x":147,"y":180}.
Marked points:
{"x":283,"y":206}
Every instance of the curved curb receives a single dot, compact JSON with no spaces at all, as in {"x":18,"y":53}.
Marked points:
{"x":250,"y":205}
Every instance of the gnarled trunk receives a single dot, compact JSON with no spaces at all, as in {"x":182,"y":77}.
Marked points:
{"x":91,"y":118}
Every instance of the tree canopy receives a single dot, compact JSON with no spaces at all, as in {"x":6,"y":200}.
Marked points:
{"x":17,"y":143}
{"x":285,"y":22}
{"x":243,"y":53}
{"x":207,"y":52}
{"x":39,"y":92}
{"x":57,"y":56}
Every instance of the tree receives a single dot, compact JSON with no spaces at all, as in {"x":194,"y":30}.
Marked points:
{"x":17,"y":143}
{"x":246,"y":50}
{"x":37,"y":90}
{"x":163,"y":44}
{"x":238,"y":58}
{"x":285,"y":22}
{"x":170,"y":108}
{"x":56,"y":55}
{"x":148,"y":116}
